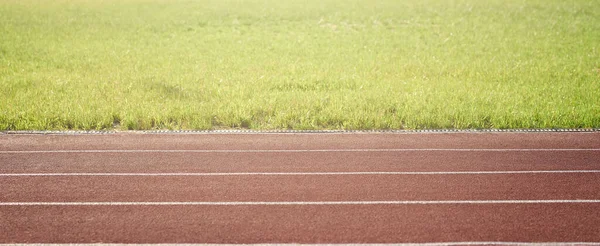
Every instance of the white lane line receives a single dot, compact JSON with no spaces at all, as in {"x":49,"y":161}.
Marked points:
{"x":279,"y":150}
{"x":309,"y":203}
{"x":342,"y":244}
{"x":502,"y":243}
{"x":301,"y":173}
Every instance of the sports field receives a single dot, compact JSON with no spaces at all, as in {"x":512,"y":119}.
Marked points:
{"x":310,"y":189}
{"x":291,"y":64}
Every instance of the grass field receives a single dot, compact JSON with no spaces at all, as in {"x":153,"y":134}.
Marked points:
{"x":291,"y":64}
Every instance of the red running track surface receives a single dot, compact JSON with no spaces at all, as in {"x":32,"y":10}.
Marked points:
{"x":300,"y":188}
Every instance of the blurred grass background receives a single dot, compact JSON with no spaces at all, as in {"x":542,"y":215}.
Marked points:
{"x":299,"y":64}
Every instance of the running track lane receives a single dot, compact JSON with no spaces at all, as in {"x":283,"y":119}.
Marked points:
{"x":300,"y":188}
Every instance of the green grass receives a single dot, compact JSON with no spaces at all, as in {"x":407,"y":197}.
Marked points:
{"x":291,"y":64}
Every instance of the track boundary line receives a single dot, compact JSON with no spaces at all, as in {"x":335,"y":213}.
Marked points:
{"x":297,"y":203}
{"x":282,"y":150}
{"x":247,"y":131}
{"x":302,"y":173}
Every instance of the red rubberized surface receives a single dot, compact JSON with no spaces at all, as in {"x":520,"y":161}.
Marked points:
{"x":301,"y":223}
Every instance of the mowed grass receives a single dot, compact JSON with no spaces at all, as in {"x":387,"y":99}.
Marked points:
{"x":291,"y":64}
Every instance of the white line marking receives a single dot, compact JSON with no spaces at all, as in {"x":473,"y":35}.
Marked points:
{"x":498,"y":243}
{"x":300,"y":173}
{"x":343,"y":244}
{"x":277,"y":150}
{"x":501,"y":243}
{"x":293,"y":203}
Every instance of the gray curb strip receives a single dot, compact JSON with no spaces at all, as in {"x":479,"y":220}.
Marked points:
{"x":300,"y":131}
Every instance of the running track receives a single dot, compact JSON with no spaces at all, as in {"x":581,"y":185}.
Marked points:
{"x":300,"y":188}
